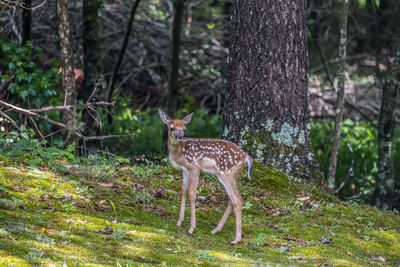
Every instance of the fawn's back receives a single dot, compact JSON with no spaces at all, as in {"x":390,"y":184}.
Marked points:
{"x":212,"y":155}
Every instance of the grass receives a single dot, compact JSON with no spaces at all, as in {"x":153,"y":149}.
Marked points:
{"x":109,"y":215}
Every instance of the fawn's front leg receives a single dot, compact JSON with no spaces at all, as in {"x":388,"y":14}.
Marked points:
{"x":185,"y":186}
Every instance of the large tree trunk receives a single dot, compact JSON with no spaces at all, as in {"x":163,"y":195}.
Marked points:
{"x":266,"y":108}
{"x":175,"y":59}
{"x":91,"y":52}
{"x":339,"y":99}
{"x":385,"y":181}
{"x":67,"y":63}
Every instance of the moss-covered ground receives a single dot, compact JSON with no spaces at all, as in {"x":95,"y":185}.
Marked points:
{"x":108,"y":215}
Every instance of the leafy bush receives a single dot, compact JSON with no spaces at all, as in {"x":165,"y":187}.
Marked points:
{"x":357,"y":158}
{"x":32,"y":84}
{"x":22,"y":147}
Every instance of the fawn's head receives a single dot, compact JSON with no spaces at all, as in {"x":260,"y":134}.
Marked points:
{"x":176,"y":128}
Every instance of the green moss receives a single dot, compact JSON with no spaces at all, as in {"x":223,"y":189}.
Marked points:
{"x":269,"y":179}
{"x":50,"y":220}
{"x":3,"y":159}
{"x":283,"y":150}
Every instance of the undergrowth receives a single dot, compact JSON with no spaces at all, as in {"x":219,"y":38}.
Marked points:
{"x":112,"y":212}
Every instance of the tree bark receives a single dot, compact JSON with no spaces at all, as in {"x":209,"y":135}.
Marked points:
{"x":26,"y":21}
{"x":385,"y":181}
{"x":91,"y":60}
{"x":339,"y":99}
{"x":179,"y":6}
{"x":68,"y":81}
{"x":266,"y":102}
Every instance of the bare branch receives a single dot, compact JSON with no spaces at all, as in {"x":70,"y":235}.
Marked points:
{"x":102,"y":137}
{"x":11,"y":121}
{"x":17,"y":109}
{"x":36,"y":127}
{"x":87,"y":105}
{"x":50,"y":134}
{"x":30,"y":113}
{"x":13,"y":4}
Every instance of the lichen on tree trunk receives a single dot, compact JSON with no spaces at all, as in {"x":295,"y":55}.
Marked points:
{"x":266,"y":103}
{"x":67,"y":63}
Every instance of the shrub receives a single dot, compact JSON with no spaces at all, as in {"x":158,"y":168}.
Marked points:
{"x":32,"y":84}
{"x":357,"y":158}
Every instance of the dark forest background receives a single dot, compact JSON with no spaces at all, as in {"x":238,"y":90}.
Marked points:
{"x":30,"y":62}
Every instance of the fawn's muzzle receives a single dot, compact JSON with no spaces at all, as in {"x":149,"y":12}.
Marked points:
{"x":179,"y":136}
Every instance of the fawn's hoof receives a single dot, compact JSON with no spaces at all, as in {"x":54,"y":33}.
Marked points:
{"x":191,"y":231}
{"x":215,"y":231}
{"x":235,"y":242}
{"x":179,"y":223}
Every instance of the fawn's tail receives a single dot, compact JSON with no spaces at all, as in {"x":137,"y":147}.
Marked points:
{"x":249,"y":162}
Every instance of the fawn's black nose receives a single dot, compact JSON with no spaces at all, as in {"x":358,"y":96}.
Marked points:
{"x":179,"y":136}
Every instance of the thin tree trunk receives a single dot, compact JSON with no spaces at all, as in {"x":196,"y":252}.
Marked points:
{"x":91,"y":60}
{"x":385,"y":181}
{"x":176,"y":44}
{"x":26,"y":21}
{"x":226,"y":16}
{"x":339,"y":98}
{"x":67,"y":63}
{"x":121,"y":55}
{"x":266,"y":110}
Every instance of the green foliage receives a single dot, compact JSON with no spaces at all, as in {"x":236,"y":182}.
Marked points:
{"x":35,"y":257}
{"x":118,"y":234}
{"x":149,"y":129}
{"x":259,"y":239}
{"x":357,"y":158}
{"x":32,"y":84}
{"x":205,"y":255}
{"x":22,"y":147}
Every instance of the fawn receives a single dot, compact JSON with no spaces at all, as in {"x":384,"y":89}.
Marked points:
{"x":219,"y":157}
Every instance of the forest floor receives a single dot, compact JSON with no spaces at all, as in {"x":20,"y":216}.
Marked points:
{"x":107,"y":214}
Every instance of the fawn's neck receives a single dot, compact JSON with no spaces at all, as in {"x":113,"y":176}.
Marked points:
{"x":174,"y":146}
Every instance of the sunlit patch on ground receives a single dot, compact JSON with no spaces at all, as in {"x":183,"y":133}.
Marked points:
{"x":130,"y":219}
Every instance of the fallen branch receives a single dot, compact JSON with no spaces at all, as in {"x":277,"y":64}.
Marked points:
{"x":11,"y":121}
{"x":17,"y":109}
{"x":357,"y":108}
{"x":30,"y":113}
{"x":50,"y":134}
{"x":36,"y":127}
{"x":102,"y":137}
{"x":87,"y":105}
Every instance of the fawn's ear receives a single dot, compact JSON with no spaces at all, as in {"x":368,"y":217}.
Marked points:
{"x":187,"y":118}
{"x":164,"y":117}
